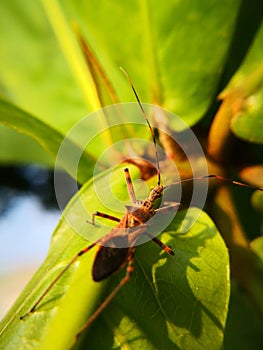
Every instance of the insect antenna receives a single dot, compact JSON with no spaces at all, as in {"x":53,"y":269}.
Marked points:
{"x":225,"y":179}
{"x":148,"y":123}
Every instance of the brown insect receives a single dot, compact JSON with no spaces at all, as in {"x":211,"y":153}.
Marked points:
{"x":110,"y":258}
{"x":116,"y":249}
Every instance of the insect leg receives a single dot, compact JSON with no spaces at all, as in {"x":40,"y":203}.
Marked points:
{"x":168,"y":207}
{"x":83,"y":251}
{"x":131,"y":195}
{"x":160,"y":243}
{"x":126,"y":278}
{"x":102,"y":215}
{"x":130,"y":186}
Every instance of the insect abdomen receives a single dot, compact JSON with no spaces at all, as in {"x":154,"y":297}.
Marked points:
{"x":109,"y":259}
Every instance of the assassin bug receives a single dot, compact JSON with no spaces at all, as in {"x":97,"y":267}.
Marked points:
{"x":110,"y":258}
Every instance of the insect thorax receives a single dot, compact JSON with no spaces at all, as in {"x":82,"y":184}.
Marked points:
{"x":155,"y":193}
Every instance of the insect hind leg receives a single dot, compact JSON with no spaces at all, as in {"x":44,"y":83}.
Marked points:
{"x":106,"y":302}
{"x":81,"y":252}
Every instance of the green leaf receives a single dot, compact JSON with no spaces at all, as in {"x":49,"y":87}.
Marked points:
{"x":257,"y":201}
{"x":257,"y":247}
{"x":169,"y":58}
{"x":174,"y":56}
{"x":248,"y":85}
{"x":49,"y":138}
{"x":248,"y":126}
{"x":12,"y":141}
{"x":171,"y":302}
{"x":248,"y":123}
{"x":254,"y":176}
{"x":34,"y":73}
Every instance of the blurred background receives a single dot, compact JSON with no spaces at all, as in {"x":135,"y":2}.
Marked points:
{"x":28,"y":216}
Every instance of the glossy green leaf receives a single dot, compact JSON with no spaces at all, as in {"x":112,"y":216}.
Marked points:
{"x":254,"y":176}
{"x":167,"y":53}
{"x":179,"y":67}
{"x":257,"y":201}
{"x":248,"y":81}
{"x":11,"y":141}
{"x":257,"y":247}
{"x":46,"y":136}
{"x":171,"y":302}
{"x":34,"y":73}
{"x":248,"y":126}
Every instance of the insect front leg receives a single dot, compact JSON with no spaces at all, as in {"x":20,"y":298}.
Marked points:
{"x":131,"y":195}
{"x":169,"y":206}
{"x":130,"y":186}
{"x":102,"y":215}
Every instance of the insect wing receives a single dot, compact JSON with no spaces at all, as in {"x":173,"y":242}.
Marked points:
{"x":108,"y":259}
